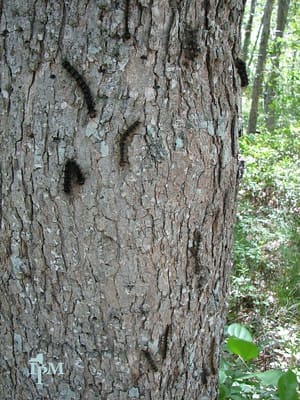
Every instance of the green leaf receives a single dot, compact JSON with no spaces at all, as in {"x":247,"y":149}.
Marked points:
{"x":222,"y":376}
{"x":239,"y":331}
{"x":223,"y":392}
{"x":270,"y":378}
{"x":236,"y":397}
{"x":287,"y":386}
{"x":246,"y":350}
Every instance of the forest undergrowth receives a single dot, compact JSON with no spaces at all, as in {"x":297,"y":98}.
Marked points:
{"x":265,"y":287}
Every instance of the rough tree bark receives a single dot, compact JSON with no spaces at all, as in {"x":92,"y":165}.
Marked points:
{"x":124,"y":279}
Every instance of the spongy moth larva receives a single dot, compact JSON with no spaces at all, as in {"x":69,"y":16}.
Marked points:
{"x":195,"y":250}
{"x":125,"y":138}
{"x":67,"y":177}
{"x":126,"y":20}
{"x":164,"y":343}
{"x":83,"y":86}
{"x":191,"y":46}
{"x":150,"y":360}
{"x":123,"y":153}
{"x":242,"y":71}
{"x":213,"y":361}
{"x":72,"y":171}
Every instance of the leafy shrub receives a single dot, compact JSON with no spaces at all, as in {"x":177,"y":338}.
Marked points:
{"x":240,"y":380}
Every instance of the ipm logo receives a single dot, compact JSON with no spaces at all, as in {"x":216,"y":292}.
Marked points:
{"x":38,"y":368}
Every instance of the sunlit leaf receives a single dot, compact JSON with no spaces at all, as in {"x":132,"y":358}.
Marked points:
{"x":246,"y":350}
{"x":239,"y":331}
{"x":287,"y":386}
{"x":268,"y":378}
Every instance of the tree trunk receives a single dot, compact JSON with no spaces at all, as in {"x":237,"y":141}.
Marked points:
{"x":275,"y":53}
{"x":253,"y":50}
{"x":261,"y":61}
{"x":248,"y":30}
{"x":115,"y":265}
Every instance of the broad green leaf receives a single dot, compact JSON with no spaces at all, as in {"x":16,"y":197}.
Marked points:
{"x":239,"y":331}
{"x":246,"y":350}
{"x":269,"y":378}
{"x":287,"y":386}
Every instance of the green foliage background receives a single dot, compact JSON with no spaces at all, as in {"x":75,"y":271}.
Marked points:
{"x":265,"y":293}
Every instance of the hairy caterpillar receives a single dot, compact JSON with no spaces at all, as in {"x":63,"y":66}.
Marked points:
{"x":191,"y":47}
{"x":242,"y":71}
{"x":241,"y":168}
{"x":195,"y":250}
{"x":72,"y":171}
{"x":124,"y":143}
{"x":83,"y":86}
{"x":204,"y":374}
{"x":126,"y":20}
{"x":212,"y":355}
{"x":164,"y":343}
{"x":150,"y":360}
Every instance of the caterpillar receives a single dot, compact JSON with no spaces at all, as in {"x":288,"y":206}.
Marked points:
{"x":212,"y":355}
{"x":242,"y":71}
{"x":150,"y":360}
{"x":83,"y":86}
{"x":125,"y":138}
{"x":164,"y":343}
{"x":191,"y":43}
{"x":204,"y":374}
{"x":72,"y":171}
{"x":241,"y":168}
{"x":126,"y":20}
{"x":195,"y":250}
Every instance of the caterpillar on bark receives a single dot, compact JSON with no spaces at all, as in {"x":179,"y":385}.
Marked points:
{"x":164,"y":343}
{"x":191,"y":46}
{"x":150,"y":360}
{"x":126,"y":20}
{"x":125,"y":139}
{"x":83,"y":86}
{"x":242,"y":71}
{"x":72,"y":172}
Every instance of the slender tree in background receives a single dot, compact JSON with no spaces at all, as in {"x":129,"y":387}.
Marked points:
{"x":275,"y":53}
{"x":261,"y":61}
{"x":251,"y":56}
{"x":248,"y":30}
{"x":118,"y":173}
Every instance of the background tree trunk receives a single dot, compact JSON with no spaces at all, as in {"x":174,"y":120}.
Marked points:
{"x":275,"y":53}
{"x":261,"y":61}
{"x":252,"y":54}
{"x":95,"y":278}
{"x":248,"y":30}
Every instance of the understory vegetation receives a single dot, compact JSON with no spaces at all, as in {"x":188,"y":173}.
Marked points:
{"x":265,"y":285}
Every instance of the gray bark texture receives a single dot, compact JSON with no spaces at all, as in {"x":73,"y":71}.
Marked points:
{"x":115,"y":287}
